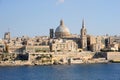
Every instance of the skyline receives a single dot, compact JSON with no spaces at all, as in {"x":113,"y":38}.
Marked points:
{"x":35,"y":18}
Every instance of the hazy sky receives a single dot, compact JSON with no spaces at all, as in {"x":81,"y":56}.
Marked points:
{"x":36,"y":17}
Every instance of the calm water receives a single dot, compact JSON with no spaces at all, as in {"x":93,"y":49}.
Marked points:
{"x":62,"y":72}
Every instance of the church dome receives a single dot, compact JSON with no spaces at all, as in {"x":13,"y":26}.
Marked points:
{"x":62,"y":31}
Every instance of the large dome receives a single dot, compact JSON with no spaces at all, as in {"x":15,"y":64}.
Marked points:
{"x":62,"y":31}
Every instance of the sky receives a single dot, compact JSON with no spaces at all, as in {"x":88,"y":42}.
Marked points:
{"x":36,"y":17}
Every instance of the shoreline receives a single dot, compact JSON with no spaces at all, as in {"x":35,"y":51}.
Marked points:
{"x":34,"y":59}
{"x":30,"y":64}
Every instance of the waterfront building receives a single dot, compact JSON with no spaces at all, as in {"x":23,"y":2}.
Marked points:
{"x":63,"y":45}
{"x":16,"y":49}
{"x":59,"y":46}
{"x":95,"y":43}
{"x":84,"y":41}
{"x":114,"y":46}
{"x":37,"y":49}
{"x":2,"y":46}
{"x":112,"y":43}
{"x":60,"y":40}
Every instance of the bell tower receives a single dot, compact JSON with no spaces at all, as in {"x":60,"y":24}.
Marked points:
{"x":83,"y":37}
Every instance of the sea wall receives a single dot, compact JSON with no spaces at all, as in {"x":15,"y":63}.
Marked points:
{"x":49,"y":58}
{"x":60,"y":57}
{"x":115,"y":56}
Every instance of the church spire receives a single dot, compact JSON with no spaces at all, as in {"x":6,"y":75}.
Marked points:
{"x":83,"y":36}
{"x":83,"y":24}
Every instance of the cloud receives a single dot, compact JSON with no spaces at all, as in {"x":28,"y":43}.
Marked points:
{"x":60,"y":2}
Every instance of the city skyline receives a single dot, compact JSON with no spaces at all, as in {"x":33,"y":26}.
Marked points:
{"x":35,"y":18}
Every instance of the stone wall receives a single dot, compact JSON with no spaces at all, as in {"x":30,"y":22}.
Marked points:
{"x":13,"y":57}
{"x":115,"y":56}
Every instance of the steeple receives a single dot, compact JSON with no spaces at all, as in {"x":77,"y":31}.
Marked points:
{"x":61,"y":22}
{"x":83,"y":24}
{"x":83,"y":36}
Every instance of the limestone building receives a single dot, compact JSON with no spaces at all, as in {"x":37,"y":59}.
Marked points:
{"x":63,"y":45}
{"x":2,"y":46}
{"x":62,"y":31}
{"x":112,"y":43}
{"x":62,"y":40}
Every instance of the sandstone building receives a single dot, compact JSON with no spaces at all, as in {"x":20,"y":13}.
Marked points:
{"x":61,"y":39}
{"x":62,"y":31}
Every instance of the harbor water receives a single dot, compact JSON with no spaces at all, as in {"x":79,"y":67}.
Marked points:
{"x":110,"y":71}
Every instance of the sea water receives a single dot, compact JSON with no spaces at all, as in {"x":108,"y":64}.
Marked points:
{"x":109,"y":71}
